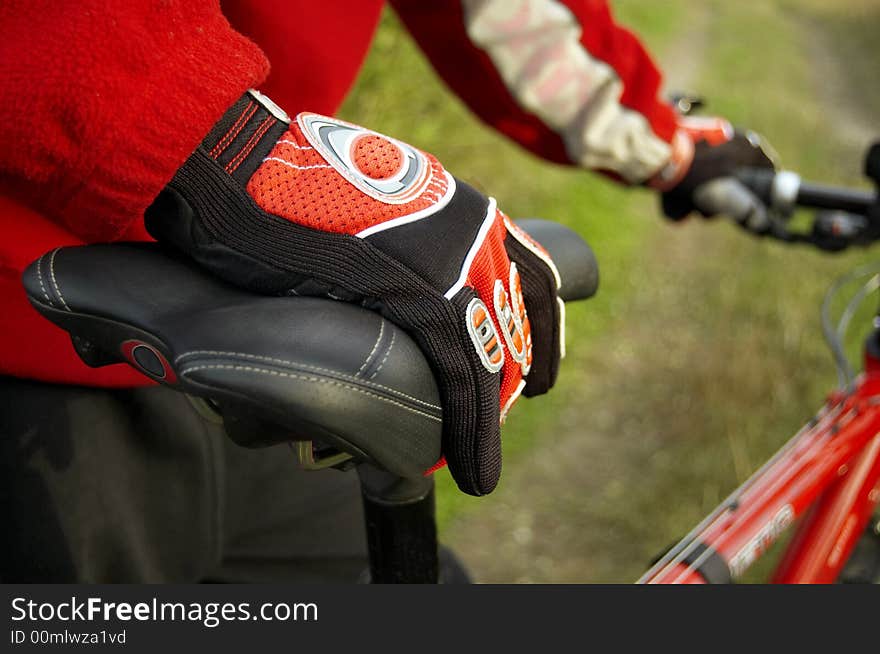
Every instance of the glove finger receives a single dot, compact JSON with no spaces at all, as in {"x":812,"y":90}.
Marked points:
{"x":675,"y":205}
{"x":544,"y":311}
{"x":471,"y":411}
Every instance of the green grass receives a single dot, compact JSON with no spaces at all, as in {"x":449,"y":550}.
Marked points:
{"x":702,"y":353}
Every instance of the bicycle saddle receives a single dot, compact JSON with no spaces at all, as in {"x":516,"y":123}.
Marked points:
{"x":278,"y":368}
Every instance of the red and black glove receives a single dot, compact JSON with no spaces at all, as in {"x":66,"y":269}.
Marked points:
{"x":316,"y":206}
{"x":708,"y":185}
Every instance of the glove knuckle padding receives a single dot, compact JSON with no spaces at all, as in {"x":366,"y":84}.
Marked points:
{"x":321,"y":207}
{"x":540,"y":288}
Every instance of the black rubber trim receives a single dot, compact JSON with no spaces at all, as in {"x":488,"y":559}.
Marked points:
{"x":436,"y":246}
{"x":713,"y":568}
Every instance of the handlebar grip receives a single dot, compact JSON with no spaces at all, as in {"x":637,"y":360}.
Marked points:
{"x":819,"y":196}
{"x":759,"y":181}
{"x":872,"y":163}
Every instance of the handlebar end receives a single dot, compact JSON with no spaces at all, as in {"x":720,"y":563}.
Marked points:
{"x":872,"y":163}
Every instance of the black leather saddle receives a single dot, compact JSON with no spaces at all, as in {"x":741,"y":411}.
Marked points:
{"x":276,"y":368}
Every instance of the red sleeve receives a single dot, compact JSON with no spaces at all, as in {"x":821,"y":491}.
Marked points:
{"x":604,"y":39}
{"x":558,"y":76}
{"x":316,"y":48}
{"x":101,"y":102}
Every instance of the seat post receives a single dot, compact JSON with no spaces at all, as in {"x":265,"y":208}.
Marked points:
{"x":401,"y":527}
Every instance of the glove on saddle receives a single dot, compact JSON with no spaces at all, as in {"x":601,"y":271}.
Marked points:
{"x":317,"y":206}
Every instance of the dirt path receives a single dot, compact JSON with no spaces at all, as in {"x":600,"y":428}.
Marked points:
{"x":855,"y":125}
{"x":682,"y":61}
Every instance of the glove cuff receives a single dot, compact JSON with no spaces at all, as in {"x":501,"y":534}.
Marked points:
{"x":678,"y":164}
{"x":691,"y":130}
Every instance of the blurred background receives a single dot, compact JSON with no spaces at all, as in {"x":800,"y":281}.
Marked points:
{"x":702,"y":352}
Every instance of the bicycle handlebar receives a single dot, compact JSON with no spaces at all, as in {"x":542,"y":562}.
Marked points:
{"x":784,"y":190}
{"x":819,"y":196}
{"x":845,"y":216}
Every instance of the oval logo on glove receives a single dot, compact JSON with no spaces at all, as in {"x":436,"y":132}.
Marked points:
{"x":386,"y":169}
{"x":484,"y":335}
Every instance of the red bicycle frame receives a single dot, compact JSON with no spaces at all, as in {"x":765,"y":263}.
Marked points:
{"x":827,"y":476}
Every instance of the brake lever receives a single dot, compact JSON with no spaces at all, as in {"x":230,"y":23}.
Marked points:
{"x":837,"y":230}
{"x":828,"y":236}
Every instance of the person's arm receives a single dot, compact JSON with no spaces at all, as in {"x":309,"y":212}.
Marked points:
{"x":558,"y":76}
{"x":100,"y":103}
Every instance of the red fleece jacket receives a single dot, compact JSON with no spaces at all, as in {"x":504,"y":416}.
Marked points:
{"x":101,"y":103}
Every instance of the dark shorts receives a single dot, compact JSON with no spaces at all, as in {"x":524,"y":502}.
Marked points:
{"x":134,"y":486}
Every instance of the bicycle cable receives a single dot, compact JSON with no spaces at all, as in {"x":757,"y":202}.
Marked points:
{"x":834,"y":336}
